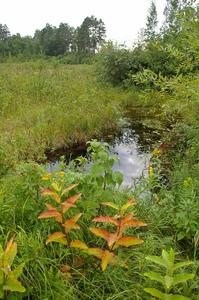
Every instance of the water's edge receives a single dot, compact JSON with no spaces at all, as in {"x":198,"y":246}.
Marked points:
{"x":132,"y":143}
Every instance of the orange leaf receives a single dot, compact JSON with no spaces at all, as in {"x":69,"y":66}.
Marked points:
{"x":51,"y":214}
{"x":106,"y":219}
{"x":100,"y":232}
{"x":78,"y":244}
{"x":69,"y":225}
{"x":72,"y":186}
{"x":107,"y":258}
{"x":73,"y":199}
{"x":57,"y":237}
{"x":66,"y":206}
{"x":128,"y":241}
{"x":68,"y":203}
{"x":97,"y":252}
{"x":111,"y":204}
{"x":113,"y":237}
{"x":53,"y":195}
{"x":133,"y":223}
{"x":126,"y":218}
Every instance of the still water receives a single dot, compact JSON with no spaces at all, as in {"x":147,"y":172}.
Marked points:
{"x":132,"y":144}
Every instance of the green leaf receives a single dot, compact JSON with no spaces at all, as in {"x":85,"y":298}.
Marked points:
{"x":155,"y":293}
{"x":1,"y":292}
{"x":18,"y":271}
{"x":181,"y":235}
{"x":13,"y":285}
{"x":97,"y":170}
{"x":1,"y":250}
{"x":1,"y":276}
{"x":168,"y":258}
{"x":182,"y":264}
{"x":168,"y":281}
{"x":156,"y":259}
{"x":155,"y":276}
{"x":179,"y":278}
{"x":118,"y":177}
{"x":178,"y":297}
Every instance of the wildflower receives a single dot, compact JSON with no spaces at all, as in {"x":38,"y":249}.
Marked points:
{"x":156,"y":152}
{"x":47,"y":176}
{"x":151,"y":173}
{"x":61,"y":174}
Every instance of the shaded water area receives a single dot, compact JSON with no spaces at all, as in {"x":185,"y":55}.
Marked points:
{"x":132,"y":143}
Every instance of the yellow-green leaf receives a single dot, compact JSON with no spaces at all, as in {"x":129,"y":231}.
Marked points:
{"x":56,"y":187}
{"x":78,"y":244}
{"x":57,"y":237}
{"x":97,"y":252}
{"x":13,"y":285}
{"x":53,"y":195}
{"x":127,"y":205}
{"x":10,"y":253}
{"x":72,"y":186}
{"x":107,"y":258}
{"x":128,"y":242}
{"x":110,"y":204}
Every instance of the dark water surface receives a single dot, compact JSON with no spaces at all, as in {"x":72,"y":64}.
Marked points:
{"x":132,"y":143}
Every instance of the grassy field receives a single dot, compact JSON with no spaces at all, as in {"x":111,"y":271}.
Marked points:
{"x":51,"y":106}
{"x":45,"y":105}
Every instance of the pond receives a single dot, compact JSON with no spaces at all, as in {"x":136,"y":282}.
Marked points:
{"x":132,"y":143}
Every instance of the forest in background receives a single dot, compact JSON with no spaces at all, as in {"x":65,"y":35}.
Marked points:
{"x":54,"y":41}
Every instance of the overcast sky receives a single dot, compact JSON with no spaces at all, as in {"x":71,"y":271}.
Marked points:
{"x":123,"y":19}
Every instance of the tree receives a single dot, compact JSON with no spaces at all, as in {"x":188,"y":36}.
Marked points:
{"x":151,"y":23}
{"x":4,"y":32}
{"x":90,"y":35}
{"x":170,"y":12}
{"x":63,"y":39}
{"x":4,"y":36}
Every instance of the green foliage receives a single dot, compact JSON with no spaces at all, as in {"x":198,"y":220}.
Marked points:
{"x":114,"y":63}
{"x":156,"y":57}
{"x":101,"y":169}
{"x":170,"y":279}
{"x":54,"y":41}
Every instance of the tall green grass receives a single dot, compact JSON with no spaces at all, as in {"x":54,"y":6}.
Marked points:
{"x":46,"y":105}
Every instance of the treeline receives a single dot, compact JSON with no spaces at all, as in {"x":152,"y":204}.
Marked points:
{"x":159,"y":54}
{"x":54,"y":41}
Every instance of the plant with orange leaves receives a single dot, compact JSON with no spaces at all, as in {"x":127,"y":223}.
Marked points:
{"x":121,"y":221}
{"x":57,"y":194}
{"x":8,"y":277}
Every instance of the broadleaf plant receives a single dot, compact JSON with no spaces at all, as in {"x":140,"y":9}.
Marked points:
{"x":170,"y":279}
{"x":9,"y":278}
{"x":58,"y":212}
{"x":101,"y":169}
{"x":115,"y":239}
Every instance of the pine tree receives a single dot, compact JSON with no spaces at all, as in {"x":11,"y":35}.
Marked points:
{"x":151,"y":23}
